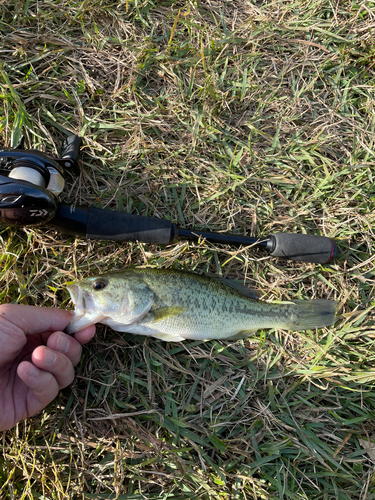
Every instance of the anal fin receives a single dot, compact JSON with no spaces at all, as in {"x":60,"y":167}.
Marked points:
{"x":243,"y":334}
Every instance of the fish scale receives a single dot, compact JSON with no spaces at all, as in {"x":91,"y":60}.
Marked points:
{"x":176,"y":305}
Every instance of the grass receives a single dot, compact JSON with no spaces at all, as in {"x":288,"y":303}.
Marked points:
{"x":248,"y":117}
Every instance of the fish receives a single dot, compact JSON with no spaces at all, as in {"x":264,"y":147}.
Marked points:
{"x":174,"y":305}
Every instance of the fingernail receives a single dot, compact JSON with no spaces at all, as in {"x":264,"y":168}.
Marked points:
{"x":32,"y":370}
{"x":49,"y":357}
{"x":62,"y":344}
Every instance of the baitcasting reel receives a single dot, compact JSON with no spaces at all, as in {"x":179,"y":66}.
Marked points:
{"x":31,"y":182}
{"x":28,"y":194}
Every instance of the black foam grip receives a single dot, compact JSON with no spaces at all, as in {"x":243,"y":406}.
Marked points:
{"x":71,"y":148}
{"x":302,"y":247}
{"x":120,"y":226}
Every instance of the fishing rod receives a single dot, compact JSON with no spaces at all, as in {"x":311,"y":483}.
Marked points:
{"x":29,"y":192}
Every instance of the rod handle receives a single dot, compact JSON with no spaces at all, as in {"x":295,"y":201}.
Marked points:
{"x":105,"y":224}
{"x":302,"y":247}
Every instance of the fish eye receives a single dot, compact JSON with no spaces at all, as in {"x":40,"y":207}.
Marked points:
{"x":100,"y":284}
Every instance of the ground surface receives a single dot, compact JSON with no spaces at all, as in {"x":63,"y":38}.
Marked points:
{"x":239,"y":116}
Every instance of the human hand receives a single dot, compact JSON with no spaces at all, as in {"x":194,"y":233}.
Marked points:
{"x":36,"y":359}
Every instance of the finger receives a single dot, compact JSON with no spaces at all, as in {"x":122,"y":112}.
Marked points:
{"x":63,"y":343}
{"x":85,"y":335}
{"x":33,"y":319}
{"x":43,"y":385}
{"x":55,"y":363}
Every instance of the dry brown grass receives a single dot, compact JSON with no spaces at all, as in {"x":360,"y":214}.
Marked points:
{"x":249,"y":117}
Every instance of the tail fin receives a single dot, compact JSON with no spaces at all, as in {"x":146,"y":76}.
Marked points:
{"x":310,"y":314}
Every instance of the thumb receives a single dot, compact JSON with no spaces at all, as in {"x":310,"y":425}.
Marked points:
{"x":33,"y":319}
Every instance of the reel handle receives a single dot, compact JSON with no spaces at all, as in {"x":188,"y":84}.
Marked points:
{"x":71,"y":150}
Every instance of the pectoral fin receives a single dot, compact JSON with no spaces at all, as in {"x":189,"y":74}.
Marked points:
{"x":167,"y":312}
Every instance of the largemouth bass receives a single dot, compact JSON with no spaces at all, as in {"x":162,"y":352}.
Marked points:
{"x":177,"y":305}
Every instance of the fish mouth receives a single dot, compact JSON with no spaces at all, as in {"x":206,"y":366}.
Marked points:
{"x":78,"y":299}
{"x":84,"y":309}
{"x":83,"y":301}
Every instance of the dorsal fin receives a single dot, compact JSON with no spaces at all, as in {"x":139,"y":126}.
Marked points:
{"x":239,"y":287}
